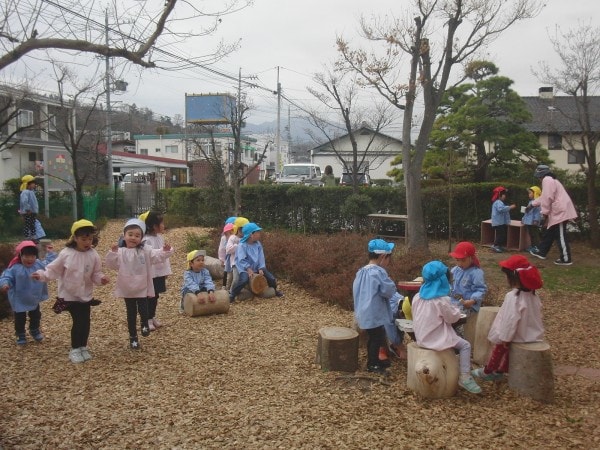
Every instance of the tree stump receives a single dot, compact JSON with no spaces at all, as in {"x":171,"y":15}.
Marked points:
{"x":214,"y":266}
{"x":430,"y":373}
{"x":530,"y":370}
{"x":482,"y":348}
{"x":192,"y":307}
{"x":337,"y":349}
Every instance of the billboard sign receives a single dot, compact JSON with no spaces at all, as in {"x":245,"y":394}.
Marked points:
{"x":58,"y":170}
{"x":209,"y":109}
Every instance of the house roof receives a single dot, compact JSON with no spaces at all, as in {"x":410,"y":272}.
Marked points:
{"x":180,"y":136}
{"x":558,"y":114}
{"x":326,"y":147}
{"x":129,"y":159}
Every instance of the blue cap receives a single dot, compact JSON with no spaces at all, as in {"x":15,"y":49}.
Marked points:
{"x":248,"y":229}
{"x":435,"y":281}
{"x":381,"y":247}
{"x":230,"y":219}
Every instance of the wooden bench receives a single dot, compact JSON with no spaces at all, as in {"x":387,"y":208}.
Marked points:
{"x":379,"y":225}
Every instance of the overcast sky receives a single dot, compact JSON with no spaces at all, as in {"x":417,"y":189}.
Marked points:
{"x":299,"y":38}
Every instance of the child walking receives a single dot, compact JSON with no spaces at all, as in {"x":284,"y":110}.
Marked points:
{"x":433,"y":316}
{"x":373,"y":292}
{"x":134,"y":277}
{"x":24,"y":293}
{"x":197,"y":279}
{"x":250,"y":259}
{"x":500,"y":218}
{"x":532,"y":219}
{"x":519,"y":318}
{"x":155,"y":227}
{"x":77,"y":268}
{"x":28,"y":207}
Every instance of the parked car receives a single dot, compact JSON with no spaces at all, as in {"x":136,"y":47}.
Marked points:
{"x":300,"y":173}
{"x":363,"y":179}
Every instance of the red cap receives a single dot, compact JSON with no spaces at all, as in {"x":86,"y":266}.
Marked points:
{"x":464,"y":249}
{"x":529,"y":275}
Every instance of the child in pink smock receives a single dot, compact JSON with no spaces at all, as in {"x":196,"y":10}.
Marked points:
{"x":519,"y":318}
{"x":433,"y":316}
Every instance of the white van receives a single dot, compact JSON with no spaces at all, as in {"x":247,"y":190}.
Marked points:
{"x":300,"y":173}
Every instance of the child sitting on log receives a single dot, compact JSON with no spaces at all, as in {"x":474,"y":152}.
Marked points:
{"x":373,"y":292}
{"x":519,"y":318}
{"x":197,"y":278}
{"x":433,"y":316}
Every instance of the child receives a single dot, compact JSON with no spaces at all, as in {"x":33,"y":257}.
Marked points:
{"x":24,"y":293}
{"x":532,"y":219}
{"x":468,"y":282}
{"x":231,"y":249}
{"x":28,"y":207}
{"x":78,"y":267}
{"x":500,"y":218}
{"x":519,"y":318}
{"x":374,"y":292}
{"x":197,"y":279}
{"x":222,"y":253}
{"x":433,"y":316}
{"x":250,"y":259}
{"x":134,"y":278}
{"x":155,"y":227}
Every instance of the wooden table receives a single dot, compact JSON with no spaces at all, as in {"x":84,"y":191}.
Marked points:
{"x":381,"y":224}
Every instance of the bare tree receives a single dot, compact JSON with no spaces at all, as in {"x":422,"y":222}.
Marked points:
{"x":579,"y":77}
{"x":338,"y":92}
{"x":463,"y":27}
{"x":139,"y":30}
{"x":10,"y":99}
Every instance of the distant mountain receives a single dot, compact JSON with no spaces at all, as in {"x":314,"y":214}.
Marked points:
{"x":298,"y":129}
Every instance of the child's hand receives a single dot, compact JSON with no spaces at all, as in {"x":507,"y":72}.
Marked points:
{"x":36,"y":276}
{"x":211,"y":297}
{"x":261,"y":272}
{"x":468,"y":303}
{"x":167,"y":248}
{"x":201,"y":298}
{"x":5,"y":288}
{"x":114,"y":248}
{"x":513,"y":206}
{"x":104,"y":280}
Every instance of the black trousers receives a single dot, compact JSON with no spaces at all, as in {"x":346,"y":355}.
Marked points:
{"x":35,"y":316}
{"x":29,"y":227}
{"x":160,"y":286}
{"x":135,"y":306}
{"x":376,"y":340}
{"x":558,"y":233}
{"x":501,"y":235}
{"x":80,"y":331}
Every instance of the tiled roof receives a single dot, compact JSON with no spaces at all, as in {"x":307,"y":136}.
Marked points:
{"x":558,"y":114}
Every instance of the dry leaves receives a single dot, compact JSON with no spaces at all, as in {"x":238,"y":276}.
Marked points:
{"x":248,"y":380}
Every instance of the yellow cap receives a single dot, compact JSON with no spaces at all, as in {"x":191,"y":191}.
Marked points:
{"x":80,"y":224}
{"x":194,"y":254}
{"x":144,"y":216}
{"x":536,"y":191}
{"x":25,"y":181}
{"x":239,"y":223}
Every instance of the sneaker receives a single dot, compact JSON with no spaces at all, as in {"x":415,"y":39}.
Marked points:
{"x":537,"y":254}
{"x":85,"y":353}
{"x":376,"y":369}
{"x":134,"y":344}
{"x":231,"y":298}
{"x":399,"y":351}
{"x":37,"y":335}
{"x":469,"y":384}
{"x":479,"y":373}
{"x":21,"y":339}
{"x":145,"y":331}
{"x":560,"y":262}
{"x":497,"y":249}
{"x":385,"y":363}
{"x":151,"y":326}
{"x":75,"y":356}
{"x":278,"y":294}
{"x":157,"y":324}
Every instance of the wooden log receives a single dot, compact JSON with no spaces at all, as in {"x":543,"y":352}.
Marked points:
{"x":430,"y":373}
{"x":269,"y":292}
{"x":482,"y":348}
{"x":192,"y":306}
{"x":337,"y":349}
{"x":530,"y":370}
{"x":214,"y":266}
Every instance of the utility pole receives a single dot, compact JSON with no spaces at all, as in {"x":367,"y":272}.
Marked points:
{"x":278,"y":134}
{"x":108,"y":110}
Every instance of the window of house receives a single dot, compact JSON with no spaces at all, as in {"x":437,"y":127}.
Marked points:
{"x":157,"y":150}
{"x":554,"y":142}
{"x":25,"y":118}
{"x":171,"y":149}
{"x":143,"y":151}
{"x":52,"y":123}
{"x":576,"y":157}
{"x":33,"y":156}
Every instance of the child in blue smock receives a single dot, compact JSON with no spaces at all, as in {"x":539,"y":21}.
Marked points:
{"x":197,"y":278}
{"x":24,"y":293}
{"x":532,"y":219}
{"x":500,"y":218}
{"x":373,"y":292}
{"x":468,"y":280}
{"x":250,"y":259}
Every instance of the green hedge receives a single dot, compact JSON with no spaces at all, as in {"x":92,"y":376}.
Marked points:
{"x":326,"y":210}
